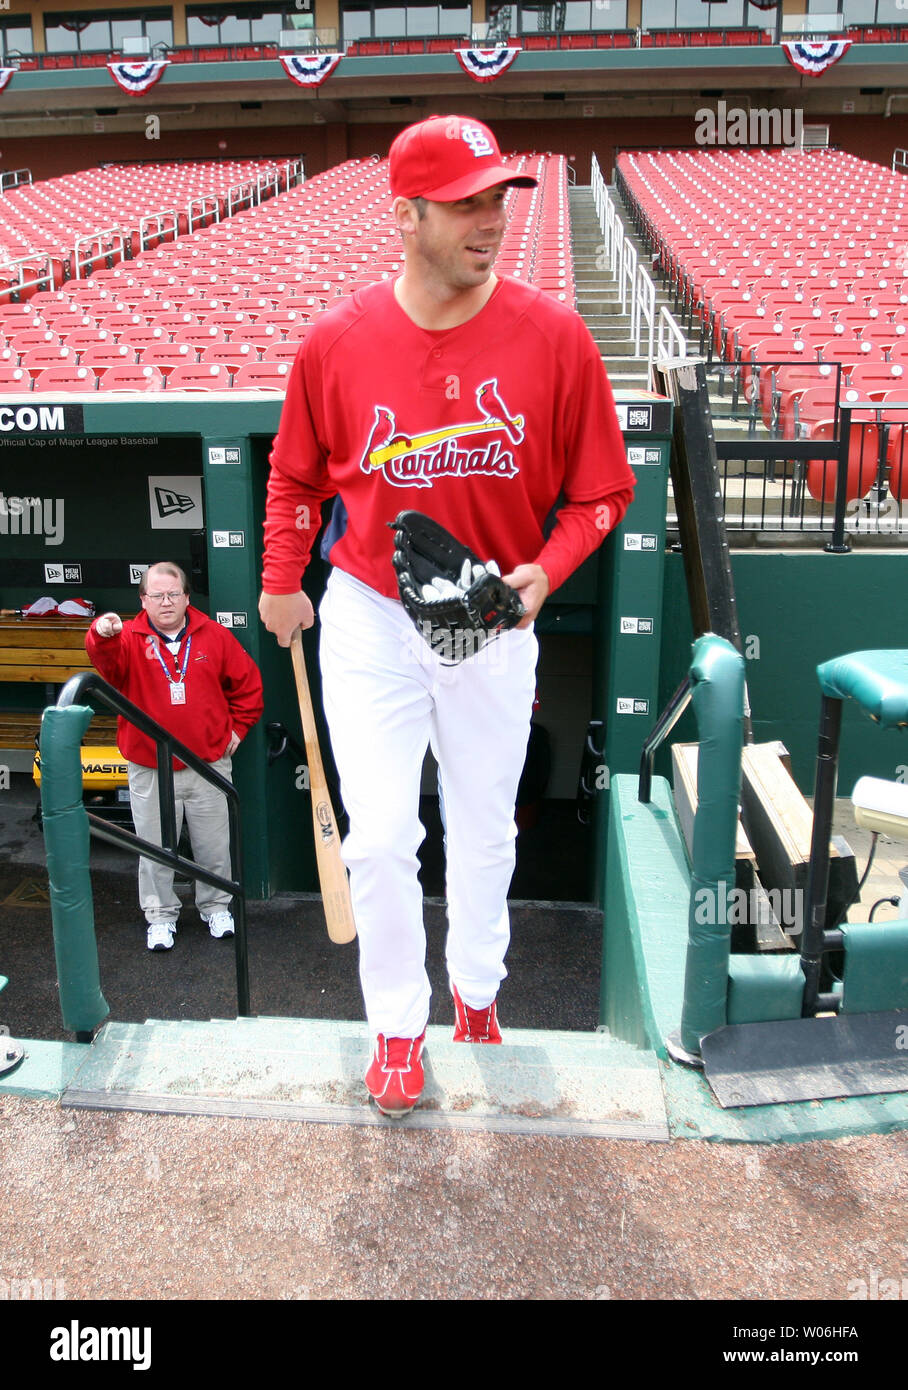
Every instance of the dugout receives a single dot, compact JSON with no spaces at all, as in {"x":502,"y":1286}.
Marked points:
{"x":113,"y":484}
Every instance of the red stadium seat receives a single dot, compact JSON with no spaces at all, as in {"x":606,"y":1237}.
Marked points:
{"x":37,"y":358}
{"x":231,"y":355}
{"x":131,"y":377}
{"x":166,"y":356}
{"x":81,"y":338}
{"x":14,"y":379}
{"x":143,"y":336}
{"x":262,"y":376}
{"x":99,"y":359}
{"x":199,"y":376}
{"x":897,"y":444}
{"x":863,"y":461}
{"x":876,"y":378}
{"x":286,"y":351}
{"x":65,"y":378}
{"x":200,"y":337}
{"x":257,"y":335}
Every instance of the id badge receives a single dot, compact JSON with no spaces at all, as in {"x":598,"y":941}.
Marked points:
{"x":178,"y":694}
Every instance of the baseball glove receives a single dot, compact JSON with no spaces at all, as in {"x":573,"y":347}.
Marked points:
{"x":457,"y":602}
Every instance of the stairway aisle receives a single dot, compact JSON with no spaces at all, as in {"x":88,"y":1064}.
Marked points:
{"x":599,"y":300}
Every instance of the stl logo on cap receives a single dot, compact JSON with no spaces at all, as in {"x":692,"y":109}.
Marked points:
{"x":478,"y":140}
{"x":445,"y":158}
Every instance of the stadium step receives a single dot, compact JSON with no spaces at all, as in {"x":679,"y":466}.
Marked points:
{"x":537,"y":1082}
{"x":599,"y":303}
{"x":599,"y":296}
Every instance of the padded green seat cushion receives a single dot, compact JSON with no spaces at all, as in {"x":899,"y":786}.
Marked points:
{"x":877,"y":681}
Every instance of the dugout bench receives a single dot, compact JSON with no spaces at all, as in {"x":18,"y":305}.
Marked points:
{"x":47,"y":652}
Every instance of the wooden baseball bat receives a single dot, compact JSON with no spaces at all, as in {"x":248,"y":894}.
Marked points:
{"x":332,"y":873}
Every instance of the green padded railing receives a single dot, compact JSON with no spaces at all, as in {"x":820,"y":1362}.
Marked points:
{"x":877,"y":681}
{"x":66,"y":839}
{"x":717,"y":695}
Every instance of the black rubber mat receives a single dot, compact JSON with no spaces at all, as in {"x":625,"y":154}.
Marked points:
{"x":807,"y":1059}
{"x":294,"y":969}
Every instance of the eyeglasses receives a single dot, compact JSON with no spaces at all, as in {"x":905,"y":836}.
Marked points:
{"x":159,"y":598}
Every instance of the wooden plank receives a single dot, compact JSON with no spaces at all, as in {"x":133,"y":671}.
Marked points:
{"x":779,"y":823}
{"x":684,"y":765}
{"x":773,"y":804}
{"x":18,"y":729}
{"x":43,"y":656}
{"x":31,"y":636}
{"x":41,"y":675}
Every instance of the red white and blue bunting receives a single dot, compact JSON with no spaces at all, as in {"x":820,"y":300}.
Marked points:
{"x":815,"y":58}
{"x":485,"y":64}
{"x":309,"y":69}
{"x":136,"y":78}
{"x":5,"y":75}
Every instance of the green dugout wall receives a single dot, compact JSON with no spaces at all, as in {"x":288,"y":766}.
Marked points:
{"x":797,"y":609}
{"x":105,"y":457}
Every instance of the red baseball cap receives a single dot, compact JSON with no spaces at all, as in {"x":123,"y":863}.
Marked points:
{"x":448,"y":157}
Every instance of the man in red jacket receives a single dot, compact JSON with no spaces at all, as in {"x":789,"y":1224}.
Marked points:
{"x":193,"y":677}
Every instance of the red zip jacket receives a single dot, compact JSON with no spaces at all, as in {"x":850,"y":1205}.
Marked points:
{"x":223,"y":685}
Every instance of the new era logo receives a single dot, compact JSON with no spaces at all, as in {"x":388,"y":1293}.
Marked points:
{"x":221,"y":454}
{"x":171,"y":503}
{"x":63,"y":574}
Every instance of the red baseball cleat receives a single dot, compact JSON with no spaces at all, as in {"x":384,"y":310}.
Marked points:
{"x":475,"y":1025}
{"x":395,"y":1077}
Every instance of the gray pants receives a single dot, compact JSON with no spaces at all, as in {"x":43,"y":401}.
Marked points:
{"x":206,"y":816}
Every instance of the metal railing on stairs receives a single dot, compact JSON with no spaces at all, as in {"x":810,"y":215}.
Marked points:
{"x":658,"y":332}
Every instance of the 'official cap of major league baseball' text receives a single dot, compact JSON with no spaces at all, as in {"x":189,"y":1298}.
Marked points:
{"x":446,"y":158}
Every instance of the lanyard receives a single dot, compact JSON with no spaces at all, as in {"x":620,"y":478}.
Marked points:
{"x":181,"y":672}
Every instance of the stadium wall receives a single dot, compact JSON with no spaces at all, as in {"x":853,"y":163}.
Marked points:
{"x":238,"y":133}
{"x":797,"y":609}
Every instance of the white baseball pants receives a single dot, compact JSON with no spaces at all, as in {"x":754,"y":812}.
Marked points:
{"x":387,"y":697}
{"x":205,"y":809}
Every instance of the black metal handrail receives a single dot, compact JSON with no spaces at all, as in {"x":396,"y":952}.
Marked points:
{"x":89,"y":686}
{"x":659,"y":733}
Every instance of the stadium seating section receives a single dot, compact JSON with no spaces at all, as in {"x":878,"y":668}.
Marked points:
{"x":796,"y":266}
{"x":228,"y":305}
{"x":715,"y":36}
{"x":81,"y":218}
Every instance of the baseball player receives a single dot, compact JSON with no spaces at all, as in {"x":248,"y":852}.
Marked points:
{"x":192,"y":676}
{"x":482,"y":403}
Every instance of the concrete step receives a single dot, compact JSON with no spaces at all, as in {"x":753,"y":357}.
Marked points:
{"x":598,"y":296}
{"x":537,"y":1082}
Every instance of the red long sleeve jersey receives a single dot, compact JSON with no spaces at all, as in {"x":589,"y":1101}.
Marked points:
{"x":485,"y":427}
{"x":223,"y":685}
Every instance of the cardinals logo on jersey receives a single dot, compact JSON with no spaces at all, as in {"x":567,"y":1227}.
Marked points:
{"x":417,"y":460}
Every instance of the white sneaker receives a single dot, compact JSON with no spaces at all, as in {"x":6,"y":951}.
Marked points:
{"x":220,"y":924}
{"x":160,"y":935}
